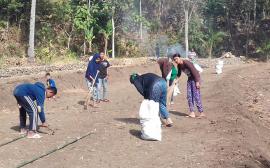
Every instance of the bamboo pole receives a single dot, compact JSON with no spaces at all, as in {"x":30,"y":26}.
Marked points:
{"x":54,"y":150}
{"x":13,"y":140}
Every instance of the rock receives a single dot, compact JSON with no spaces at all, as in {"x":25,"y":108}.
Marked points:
{"x":228,"y":55}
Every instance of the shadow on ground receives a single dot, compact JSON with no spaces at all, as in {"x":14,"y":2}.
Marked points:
{"x":128,"y":120}
{"x":15,"y":128}
{"x":178,"y":113}
{"x":81,"y":102}
{"x":136,"y":133}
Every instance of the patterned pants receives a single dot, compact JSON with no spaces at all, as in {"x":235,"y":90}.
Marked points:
{"x":94,"y":91}
{"x":193,"y":95}
{"x":159,"y":94}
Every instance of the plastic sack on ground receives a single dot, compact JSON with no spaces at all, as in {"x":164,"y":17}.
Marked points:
{"x":219,"y":66}
{"x":176,"y":90}
{"x":150,"y":121}
{"x":198,"y":67}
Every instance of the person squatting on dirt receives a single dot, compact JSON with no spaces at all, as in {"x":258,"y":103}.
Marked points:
{"x":49,"y":81}
{"x":193,"y":85}
{"x":30,"y":99}
{"x":170,"y":72}
{"x":153,"y":87}
{"x":102,"y":83}
{"x":91,"y":72}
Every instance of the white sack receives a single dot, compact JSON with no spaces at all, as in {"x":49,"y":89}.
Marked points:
{"x":150,"y":121}
{"x":176,"y":90}
{"x":198,"y":67}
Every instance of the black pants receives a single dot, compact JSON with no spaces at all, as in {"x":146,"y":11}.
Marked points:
{"x":28,"y":106}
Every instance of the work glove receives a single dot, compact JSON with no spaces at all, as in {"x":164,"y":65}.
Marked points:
{"x":39,"y":109}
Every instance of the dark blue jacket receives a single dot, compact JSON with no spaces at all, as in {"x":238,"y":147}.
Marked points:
{"x":36,"y":92}
{"x":144,"y":83}
{"x":92,"y":67}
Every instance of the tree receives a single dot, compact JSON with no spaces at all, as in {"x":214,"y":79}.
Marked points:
{"x":189,"y":7}
{"x":31,"y":52}
{"x":265,"y":49}
{"x":64,"y":16}
{"x":106,"y":32}
{"x":85,"y":22}
{"x":113,"y":38}
{"x":212,"y":40}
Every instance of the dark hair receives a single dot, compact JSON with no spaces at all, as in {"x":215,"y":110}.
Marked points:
{"x":53,"y":89}
{"x":48,"y":74}
{"x":176,"y":55}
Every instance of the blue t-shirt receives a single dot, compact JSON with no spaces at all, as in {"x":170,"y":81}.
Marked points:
{"x":51,"y":83}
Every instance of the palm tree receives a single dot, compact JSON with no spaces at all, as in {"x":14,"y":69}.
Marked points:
{"x":106,"y":33}
{"x":89,"y":36}
{"x":265,"y":49}
{"x":212,"y":39}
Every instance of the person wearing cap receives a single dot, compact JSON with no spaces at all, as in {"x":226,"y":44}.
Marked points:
{"x":193,"y":85}
{"x":153,"y":87}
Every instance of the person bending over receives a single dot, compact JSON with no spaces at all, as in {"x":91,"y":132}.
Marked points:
{"x":30,"y":99}
{"x":153,"y":87}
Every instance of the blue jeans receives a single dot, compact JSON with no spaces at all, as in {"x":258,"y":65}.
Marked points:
{"x":102,"y":88}
{"x":94,"y":91}
{"x":159,"y":94}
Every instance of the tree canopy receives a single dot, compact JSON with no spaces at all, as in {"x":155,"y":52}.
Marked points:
{"x":72,"y":28}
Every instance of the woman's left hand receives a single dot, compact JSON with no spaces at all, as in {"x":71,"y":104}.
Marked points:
{"x":198,"y":85}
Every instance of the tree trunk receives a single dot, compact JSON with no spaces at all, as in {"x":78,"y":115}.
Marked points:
{"x":106,"y":45}
{"x":141,"y":21}
{"x":84,"y":47}
{"x":89,"y":4}
{"x":90,"y":46}
{"x":69,"y":39}
{"x":7,"y":29}
{"x":210,"y":51}
{"x":31,"y":52}
{"x":264,"y":15}
{"x":69,"y":36}
{"x":186,"y":31}
{"x":113,"y":33}
{"x":247,"y":33}
{"x":255,"y":12}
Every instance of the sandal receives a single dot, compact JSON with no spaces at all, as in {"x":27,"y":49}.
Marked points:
{"x":189,"y":116}
{"x":34,"y":136}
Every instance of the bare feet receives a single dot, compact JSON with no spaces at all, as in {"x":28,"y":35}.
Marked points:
{"x":33,"y":135}
{"x":191,"y":115}
{"x":202,"y":115}
{"x":105,"y":100}
{"x":169,"y":122}
{"x":23,"y":131}
{"x":44,"y":124}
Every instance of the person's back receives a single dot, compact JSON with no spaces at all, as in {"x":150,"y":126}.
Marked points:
{"x":92,"y":68}
{"x":153,"y":87}
{"x":34,"y":91}
{"x":30,"y":98}
{"x":144,"y":83}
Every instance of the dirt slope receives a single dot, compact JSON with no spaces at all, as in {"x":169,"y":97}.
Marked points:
{"x":234,"y":134}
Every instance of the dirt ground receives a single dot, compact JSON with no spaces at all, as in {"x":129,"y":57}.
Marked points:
{"x":236,"y":132}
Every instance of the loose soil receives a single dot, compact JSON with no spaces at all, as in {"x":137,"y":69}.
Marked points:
{"x":236,"y":132}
